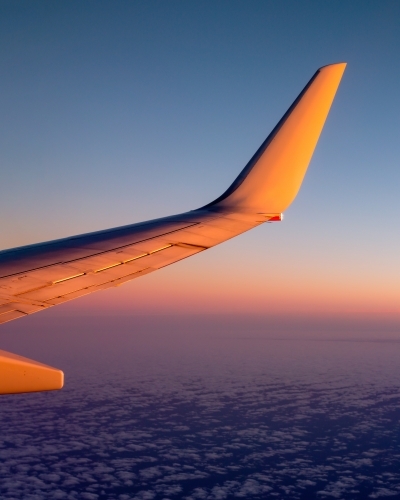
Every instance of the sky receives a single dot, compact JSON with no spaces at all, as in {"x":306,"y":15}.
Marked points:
{"x":118,"y":112}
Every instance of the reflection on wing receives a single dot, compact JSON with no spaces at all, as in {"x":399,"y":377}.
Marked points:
{"x":36,"y":277}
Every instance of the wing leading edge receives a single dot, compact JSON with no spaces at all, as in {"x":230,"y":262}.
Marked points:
{"x":36,"y":277}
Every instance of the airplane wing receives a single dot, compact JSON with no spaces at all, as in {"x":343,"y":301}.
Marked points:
{"x":36,"y":277}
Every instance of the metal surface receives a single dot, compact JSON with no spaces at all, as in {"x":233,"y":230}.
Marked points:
{"x":18,"y":374}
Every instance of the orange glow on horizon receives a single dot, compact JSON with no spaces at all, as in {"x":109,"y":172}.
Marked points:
{"x":167,"y":294}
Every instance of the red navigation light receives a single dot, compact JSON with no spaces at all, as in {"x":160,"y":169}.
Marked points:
{"x":276,"y":218}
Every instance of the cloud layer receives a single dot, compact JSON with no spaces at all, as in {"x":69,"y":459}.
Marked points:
{"x":235,"y":420}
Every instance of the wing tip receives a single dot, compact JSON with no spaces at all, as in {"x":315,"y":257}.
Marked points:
{"x":274,"y":188}
{"x":339,"y":66}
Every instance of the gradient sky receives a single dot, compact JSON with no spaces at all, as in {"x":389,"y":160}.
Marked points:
{"x":118,"y":112}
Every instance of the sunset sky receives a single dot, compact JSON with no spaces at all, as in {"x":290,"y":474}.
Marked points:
{"x":118,"y":112}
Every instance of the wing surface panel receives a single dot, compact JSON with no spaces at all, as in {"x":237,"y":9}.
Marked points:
{"x":96,"y":288}
{"x":18,"y":260}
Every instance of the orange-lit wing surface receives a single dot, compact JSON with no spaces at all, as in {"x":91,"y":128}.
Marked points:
{"x":20,"y":374}
{"x":272,"y":178}
{"x":36,"y":277}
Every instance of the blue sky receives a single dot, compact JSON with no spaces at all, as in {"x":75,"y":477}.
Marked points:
{"x":116,"y":112}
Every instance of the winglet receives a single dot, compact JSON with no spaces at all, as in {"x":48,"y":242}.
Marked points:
{"x":18,"y":374}
{"x":272,"y":178}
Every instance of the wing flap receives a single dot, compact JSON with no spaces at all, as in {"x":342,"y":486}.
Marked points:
{"x":61,"y":252}
{"x":111,"y":272}
{"x":10,"y":315}
{"x":96,"y":288}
